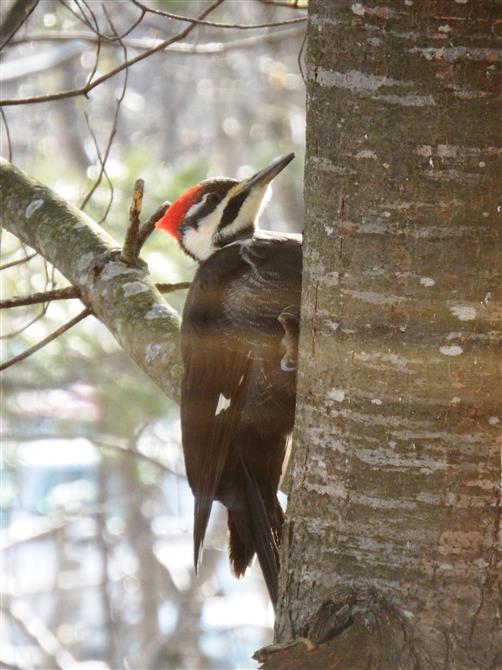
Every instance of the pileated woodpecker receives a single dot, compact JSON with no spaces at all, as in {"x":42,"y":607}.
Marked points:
{"x":239,"y":339}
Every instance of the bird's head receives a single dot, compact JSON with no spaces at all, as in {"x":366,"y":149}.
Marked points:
{"x":216,"y":212}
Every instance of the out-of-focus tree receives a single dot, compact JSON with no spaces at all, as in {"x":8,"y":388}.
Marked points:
{"x":93,"y":483}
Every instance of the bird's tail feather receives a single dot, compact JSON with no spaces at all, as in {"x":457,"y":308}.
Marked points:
{"x":201,"y":519}
{"x":256,"y":530}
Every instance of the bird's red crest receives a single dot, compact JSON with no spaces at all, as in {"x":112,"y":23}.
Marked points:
{"x":172,"y":219}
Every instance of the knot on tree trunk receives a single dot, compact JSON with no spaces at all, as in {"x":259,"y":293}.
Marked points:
{"x":353,"y":630}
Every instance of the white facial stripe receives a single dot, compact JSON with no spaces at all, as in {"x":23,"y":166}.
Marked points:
{"x":199,"y":241}
{"x":197,"y":206}
{"x":249,"y":212}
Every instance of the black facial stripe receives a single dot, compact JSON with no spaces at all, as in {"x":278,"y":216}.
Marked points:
{"x":214,"y":192}
{"x":207,"y":208}
{"x":232,"y":209}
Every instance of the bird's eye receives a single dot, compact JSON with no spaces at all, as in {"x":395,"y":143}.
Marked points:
{"x":211,"y":198}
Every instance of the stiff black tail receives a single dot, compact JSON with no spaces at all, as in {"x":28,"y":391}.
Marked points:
{"x":256,"y":528}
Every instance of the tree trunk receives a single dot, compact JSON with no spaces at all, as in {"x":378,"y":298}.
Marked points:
{"x":391,"y":553}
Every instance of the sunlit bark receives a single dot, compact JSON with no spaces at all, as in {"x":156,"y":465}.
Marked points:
{"x":394,"y":517}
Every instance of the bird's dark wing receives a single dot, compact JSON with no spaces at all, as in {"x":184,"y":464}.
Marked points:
{"x":214,"y":379}
{"x":230,"y":323}
{"x":264,"y":301}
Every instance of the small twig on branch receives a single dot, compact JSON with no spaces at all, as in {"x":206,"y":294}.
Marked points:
{"x":129,"y":253}
{"x":36,"y":318}
{"x":44,"y":296}
{"x":46,"y":340}
{"x":217,"y":24}
{"x":39,"y":635}
{"x":84,"y":90}
{"x":176,"y":286}
{"x":16,"y":16}
{"x":18,"y":262}
{"x":7,"y":135}
{"x":148,"y":227}
{"x":133,"y":453}
{"x":184,"y":48}
{"x":103,"y":159}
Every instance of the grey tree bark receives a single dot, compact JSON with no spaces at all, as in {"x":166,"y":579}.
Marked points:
{"x":392,"y":545}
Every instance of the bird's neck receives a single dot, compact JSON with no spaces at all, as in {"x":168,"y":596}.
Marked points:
{"x":244,"y":233}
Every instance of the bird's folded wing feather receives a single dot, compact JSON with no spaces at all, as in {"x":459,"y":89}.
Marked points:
{"x":212,"y":395}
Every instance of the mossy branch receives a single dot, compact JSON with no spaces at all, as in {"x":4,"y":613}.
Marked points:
{"x":121,"y":296}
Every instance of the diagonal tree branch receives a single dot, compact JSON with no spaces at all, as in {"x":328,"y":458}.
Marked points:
{"x":121,"y":296}
{"x":39,"y":345}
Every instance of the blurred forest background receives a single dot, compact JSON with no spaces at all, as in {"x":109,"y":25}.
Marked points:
{"x":95,"y":510}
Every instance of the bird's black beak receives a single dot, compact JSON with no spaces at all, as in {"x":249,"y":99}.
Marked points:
{"x":266,"y":174}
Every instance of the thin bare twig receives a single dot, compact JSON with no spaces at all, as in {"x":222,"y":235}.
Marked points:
{"x":7,"y":135}
{"x":113,"y":131}
{"x":67,"y":293}
{"x":84,"y":90}
{"x":299,"y":60}
{"x":133,"y":453}
{"x":46,"y":340}
{"x":80,"y":17}
{"x":17,"y":332}
{"x":180,"y":47}
{"x":217,"y":24}
{"x":17,"y":15}
{"x":98,"y":50}
{"x":41,"y":636}
{"x":93,"y":18}
{"x":18,"y":262}
{"x":129,"y":253}
{"x":148,"y":227}
{"x":101,"y":159}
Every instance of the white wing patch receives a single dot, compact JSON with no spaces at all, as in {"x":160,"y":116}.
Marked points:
{"x":223,"y":403}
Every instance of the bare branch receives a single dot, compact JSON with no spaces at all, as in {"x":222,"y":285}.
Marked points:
{"x":102,"y":161}
{"x":81,"y":17}
{"x":17,"y":15}
{"x":67,"y":293}
{"x":84,"y":90}
{"x":133,"y":453}
{"x":46,"y":340}
{"x":71,"y":293}
{"x":299,"y":59}
{"x":18,"y":262}
{"x":36,"y":631}
{"x":129,"y":253}
{"x":216,"y":24}
{"x":148,"y":227}
{"x":17,"y":332}
{"x":179,"y":47}
{"x":113,"y":131}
